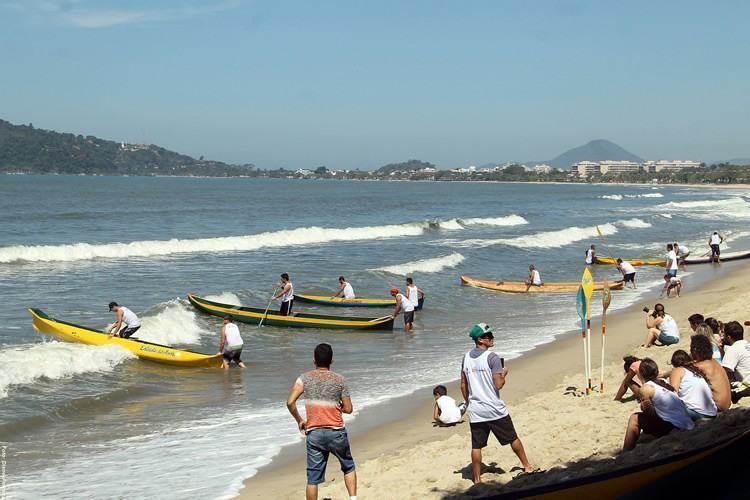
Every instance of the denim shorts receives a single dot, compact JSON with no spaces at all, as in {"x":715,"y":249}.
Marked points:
{"x":321,"y":443}
{"x":667,"y":339}
{"x":672,"y":272}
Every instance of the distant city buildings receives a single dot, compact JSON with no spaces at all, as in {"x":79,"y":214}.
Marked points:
{"x":618,"y":167}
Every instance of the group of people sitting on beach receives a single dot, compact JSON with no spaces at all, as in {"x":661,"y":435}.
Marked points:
{"x":702,"y":383}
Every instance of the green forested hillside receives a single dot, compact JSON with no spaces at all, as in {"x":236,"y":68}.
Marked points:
{"x":24,"y":148}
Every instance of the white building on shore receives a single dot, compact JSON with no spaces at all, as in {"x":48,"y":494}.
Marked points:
{"x":652,"y":166}
{"x":619,"y":167}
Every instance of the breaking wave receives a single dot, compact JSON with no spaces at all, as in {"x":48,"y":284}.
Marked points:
{"x":175,"y":322}
{"x":55,"y":360}
{"x":634,"y":223}
{"x":736,"y":208}
{"x":276,"y":239}
{"x":424,"y":266}
{"x":617,"y":197}
{"x":508,"y":220}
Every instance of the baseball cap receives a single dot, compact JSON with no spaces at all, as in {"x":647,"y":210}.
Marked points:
{"x":479,"y":330}
{"x":394,"y":290}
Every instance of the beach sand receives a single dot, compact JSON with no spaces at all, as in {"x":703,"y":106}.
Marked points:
{"x":564,"y":432}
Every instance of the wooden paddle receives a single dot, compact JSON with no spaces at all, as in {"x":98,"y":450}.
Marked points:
{"x":606,"y":300}
{"x":265,"y":313}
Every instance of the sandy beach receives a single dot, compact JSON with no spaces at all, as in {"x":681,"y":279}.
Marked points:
{"x":409,"y":458}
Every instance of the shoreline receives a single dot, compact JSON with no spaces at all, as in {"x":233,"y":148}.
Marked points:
{"x":538,"y":371}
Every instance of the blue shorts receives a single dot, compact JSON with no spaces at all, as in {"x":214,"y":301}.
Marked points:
{"x":672,"y":273}
{"x":667,"y":339}
{"x":321,"y":443}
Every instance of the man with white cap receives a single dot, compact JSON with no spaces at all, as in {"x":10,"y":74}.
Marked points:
{"x":483,"y":374}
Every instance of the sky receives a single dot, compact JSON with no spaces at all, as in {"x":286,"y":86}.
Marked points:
{"x":360,"y":84}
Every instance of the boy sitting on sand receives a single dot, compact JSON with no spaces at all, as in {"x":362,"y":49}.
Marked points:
{"x":446,"y":412}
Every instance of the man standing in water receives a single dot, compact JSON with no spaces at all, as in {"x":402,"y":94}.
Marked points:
{"x":482,"y":376}
{"x":230,"y":343}
{"x":414,"y":294}
{"x":326,"y":398}
{"x":403,"y":304}
{"x":715,"y":242}
{"x":126,"y":316}
{"x":286,"y":294}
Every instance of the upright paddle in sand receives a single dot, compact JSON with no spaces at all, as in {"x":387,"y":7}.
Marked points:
{"x":265,"y":313}
{"x":606,"y":300}
{"x":583,"y":303}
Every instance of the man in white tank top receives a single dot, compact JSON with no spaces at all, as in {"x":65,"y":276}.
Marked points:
{"x":230,"y":343}
{"x":403,"y":304}
{"x":345,"y":289}
{"x":482,"y":376}
{"x":286,"y":295}
{"x":124,"y":317}
{"x":414,"y":294}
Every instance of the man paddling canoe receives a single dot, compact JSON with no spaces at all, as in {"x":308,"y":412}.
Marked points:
{"x":591,"y":255}
{"x":535,"y":279}
{"x":345,"y":288}
{"x":286,"y":294}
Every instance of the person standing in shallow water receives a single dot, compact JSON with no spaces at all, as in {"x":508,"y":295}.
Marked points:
{"x":483,"y":374}
{"x":326,"y":398}
{"x":286,"y":295}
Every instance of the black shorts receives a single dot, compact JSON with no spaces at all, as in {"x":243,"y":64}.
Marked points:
{"x":629,"y":277}
{"x":128,"y":331}
{"x":715,"y":250}
{"x":502,"y":428}
{"x":234,"y":355}
{"x":651,"y":423}
{"x":408,"y":317}
{"x":286,"y":308}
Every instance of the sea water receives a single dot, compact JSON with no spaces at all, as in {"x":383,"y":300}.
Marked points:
{"x":81,"y":421}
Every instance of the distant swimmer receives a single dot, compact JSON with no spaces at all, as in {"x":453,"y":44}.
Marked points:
{"x":414,"y":294}
{"x":124,"y":317}
{"x":714,"y":242}
{"x":628,"y":272}
{"x":345,"y":288}
{"x":591,"y":255}
{"x":230,"y":344}
{"x":682,"y":252}
{"x":535,"y":279}
{"x":403,"y":304}
{"x":286,"y":295}
{"x":671,"y":263}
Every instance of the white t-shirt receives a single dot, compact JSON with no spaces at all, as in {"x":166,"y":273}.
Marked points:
{"x":485,"y":404}
{"x":348,"y":291}
{"x":683,"y":250}
{"x":673,"y":256}
{"x":627,"y":267}
{"x":413,"y":295}
{"x":232,"y":336}
{"x":406,"y":304}
{"x":589,"y":256}
{"x":129,"y":318}
{"x":536,"y":279}
{"x":668,"y":327}
{"x":449,"y":412}
{"x":715,"y":239}
{"x":737,"y":358}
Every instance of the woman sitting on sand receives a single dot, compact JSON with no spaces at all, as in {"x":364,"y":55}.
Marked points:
{"x":716,"y":348}
{"x":692,"y":387}
{"x":631,"y":372}
{"x":717,"y":328}
{"x":662,"y":409}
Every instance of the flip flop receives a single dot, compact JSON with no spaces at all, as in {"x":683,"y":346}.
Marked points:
{"x":533,"y":472}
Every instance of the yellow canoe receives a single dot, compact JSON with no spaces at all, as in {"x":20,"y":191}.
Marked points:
{"x":520,"y":287}
{"x":633,"y":262}
{"x":144,"y":350}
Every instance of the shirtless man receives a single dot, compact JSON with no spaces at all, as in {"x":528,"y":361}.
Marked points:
{"x":702,"y":354}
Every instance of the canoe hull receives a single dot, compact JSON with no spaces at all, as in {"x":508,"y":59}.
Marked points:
{"x":725,"y":257}
{"x":254,"y":316}
{"x":634,"y":262}
{"x":144,"y":350}
{"x":342,"y":302}
{"x":520,"y":287}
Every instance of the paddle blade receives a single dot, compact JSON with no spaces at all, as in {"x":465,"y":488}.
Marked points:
{"x":587,"y":283}
{"x":606,"y":296}
{"x":581,"y":304}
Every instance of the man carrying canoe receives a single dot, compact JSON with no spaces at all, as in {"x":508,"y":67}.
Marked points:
{"x":345,"y":288}
{"x":591,"y":255}
{"x":286,"y":294}
{"x":682,"y":252}
{"x":715,"y":242}
{"x":628,"y":272}
{"x":403,"y":304}
{"x":230,"y":343}
{"x":126,"y":316}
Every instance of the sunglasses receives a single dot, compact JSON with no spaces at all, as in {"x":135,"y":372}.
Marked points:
{"x":488,"y":336}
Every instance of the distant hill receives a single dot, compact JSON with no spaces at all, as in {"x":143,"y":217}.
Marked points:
{"x":407,"y":166}
{"x":24,"y":148}
{"x":596,"y":150}
{"x":735,"y":161}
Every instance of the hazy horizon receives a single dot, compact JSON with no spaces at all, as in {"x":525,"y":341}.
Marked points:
{"x":360,"y":85}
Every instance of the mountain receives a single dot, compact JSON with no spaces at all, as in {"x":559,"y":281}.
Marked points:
{"x":24,"y":148}
{"x":596,"y":150}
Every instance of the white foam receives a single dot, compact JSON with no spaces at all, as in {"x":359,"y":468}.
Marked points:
{"x":617,"y":197}
{"x":225,"y":298}
{"x":276,"y":239}
{"x":424,"y":266}
{"x":508,"y":220}
{"x":646,"y":195}
{"x":666,"y":216}
{"x":634,"y":223}
{"x":546,"y":239}
{"x":55,"y":360}
{"x":175,"y":323}
{"x":735,"y":207}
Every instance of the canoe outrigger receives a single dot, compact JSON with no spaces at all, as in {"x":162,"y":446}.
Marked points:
{"x":254,"y":315}
{"x":144,"y":350}
{"x":325,"y":300}
{"x":521,"y":287}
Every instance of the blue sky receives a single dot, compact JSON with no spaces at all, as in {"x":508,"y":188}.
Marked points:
{"x":359,"y":84}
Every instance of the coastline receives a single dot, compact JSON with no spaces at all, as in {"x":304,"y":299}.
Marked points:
{"x":548,"y":372}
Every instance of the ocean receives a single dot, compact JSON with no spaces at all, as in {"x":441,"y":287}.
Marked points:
{"x":81,"y":421}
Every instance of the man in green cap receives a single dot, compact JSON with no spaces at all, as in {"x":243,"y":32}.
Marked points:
{"x":482,"y":376}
